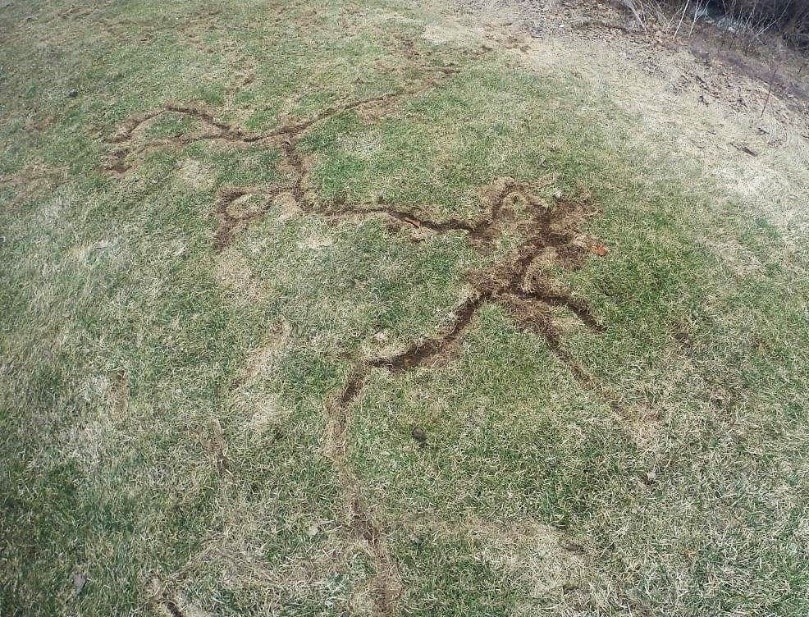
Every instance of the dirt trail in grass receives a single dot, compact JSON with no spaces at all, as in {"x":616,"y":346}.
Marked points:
{"x":521,"y":281}
{"x":233,"y":217}
{"x":255,"y":478}
{"x":286,"y":138}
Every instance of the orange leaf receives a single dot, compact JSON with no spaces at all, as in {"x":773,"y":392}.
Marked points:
{"x":599,"y":249}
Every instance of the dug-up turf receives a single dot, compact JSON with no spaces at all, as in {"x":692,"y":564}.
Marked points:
{"x":521,"y":281}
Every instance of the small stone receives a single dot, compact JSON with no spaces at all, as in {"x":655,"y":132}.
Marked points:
{"x":79,"y":581}
{"x":419,"y":434}
{"x":72,"y":93}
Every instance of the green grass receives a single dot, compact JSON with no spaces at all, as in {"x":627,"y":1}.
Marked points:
{"x":128,"y":342}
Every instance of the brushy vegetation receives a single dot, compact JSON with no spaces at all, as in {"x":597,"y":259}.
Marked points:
{"x":749,"y":19}
{"x":165,"y":441}
{"x":790,"y":17}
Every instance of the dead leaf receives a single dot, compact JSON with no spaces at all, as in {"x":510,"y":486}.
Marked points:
{"x":599,"y":249}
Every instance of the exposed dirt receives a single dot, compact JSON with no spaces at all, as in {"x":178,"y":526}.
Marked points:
{"x":234,"y":213}
{"x":171,"y":606}
{"x":132,"y":146}
{"x":522,"y":281}
{"x":758,"y":131}
{"x":420,"y":352}
{"x":386,"y":586}
{"x":553,"y":237}
{"x":162,"y":602}
{"x":177,"y":606}
{"x":233,"y":218}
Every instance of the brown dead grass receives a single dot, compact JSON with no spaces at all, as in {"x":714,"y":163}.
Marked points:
{"x":233,"y":272}
{"x":195,"y":175}
{"x":540,"y":557}
{"x":700,"y":111}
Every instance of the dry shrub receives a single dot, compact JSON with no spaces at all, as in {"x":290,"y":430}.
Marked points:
{"x":789,"y":17}
{"x":748,"y":18}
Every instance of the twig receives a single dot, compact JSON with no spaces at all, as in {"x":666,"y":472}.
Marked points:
{"x":769,"y":89}
{"x":694,"y":22}
{"x":631,"y":6}
{"x":682,"y":17}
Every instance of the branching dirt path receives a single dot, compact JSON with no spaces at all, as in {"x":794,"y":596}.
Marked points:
{"x":521,"y":281}
{"x":206,"y":399}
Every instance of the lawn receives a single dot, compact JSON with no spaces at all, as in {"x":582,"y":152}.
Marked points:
{"x":344,"y":308}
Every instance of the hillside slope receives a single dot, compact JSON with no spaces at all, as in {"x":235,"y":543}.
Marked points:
{"x":391,"y":308}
